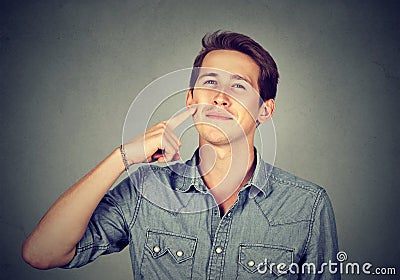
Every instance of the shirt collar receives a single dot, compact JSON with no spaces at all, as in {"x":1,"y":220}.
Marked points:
{"x":190,"y":176}
{"x":259,"y":182}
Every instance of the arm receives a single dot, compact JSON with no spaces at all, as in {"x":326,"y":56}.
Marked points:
{"x":322,"y":246}
{"x":53,"y":242}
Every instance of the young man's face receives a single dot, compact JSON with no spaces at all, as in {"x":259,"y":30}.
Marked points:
{"x":228,"y":97}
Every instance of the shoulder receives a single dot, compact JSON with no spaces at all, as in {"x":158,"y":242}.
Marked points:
{"x":291,"y":199}
{"x":282,"y":180}
{"x":170,"y":175}
{"x":151,"y":175}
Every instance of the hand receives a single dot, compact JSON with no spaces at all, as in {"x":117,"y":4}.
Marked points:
{"x":158,"y":143}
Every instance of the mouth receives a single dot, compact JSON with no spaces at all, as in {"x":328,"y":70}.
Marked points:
{"x":219,"y":115}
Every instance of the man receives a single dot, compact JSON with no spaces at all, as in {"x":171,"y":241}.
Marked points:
{"x":224,"y":214}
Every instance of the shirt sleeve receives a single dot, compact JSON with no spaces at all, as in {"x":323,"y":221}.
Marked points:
{"x":320,"y":259}
{"x":108,"y":228}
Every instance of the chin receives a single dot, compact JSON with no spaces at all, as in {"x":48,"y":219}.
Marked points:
{"x":212,"y":135}
{"x":215,"y":136}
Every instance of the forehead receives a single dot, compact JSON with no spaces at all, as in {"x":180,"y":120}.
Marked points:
{"x":234,"y":62}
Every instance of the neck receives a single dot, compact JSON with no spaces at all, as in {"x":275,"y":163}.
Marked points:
{"x":225,"y":169}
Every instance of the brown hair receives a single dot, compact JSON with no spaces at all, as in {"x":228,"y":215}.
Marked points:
{"x":268,"y":77}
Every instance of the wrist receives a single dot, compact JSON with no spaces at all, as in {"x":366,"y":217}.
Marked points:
{"x":119,"y":160}
{"x":123,"y":156}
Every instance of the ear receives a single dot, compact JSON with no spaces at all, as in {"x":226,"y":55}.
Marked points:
{"x":266,"y":110}
{"x":189,"y":98}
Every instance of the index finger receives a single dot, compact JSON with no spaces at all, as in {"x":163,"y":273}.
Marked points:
{"x":175,"y":121}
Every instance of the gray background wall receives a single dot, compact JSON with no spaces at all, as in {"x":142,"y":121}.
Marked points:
{"x":70,"y":69}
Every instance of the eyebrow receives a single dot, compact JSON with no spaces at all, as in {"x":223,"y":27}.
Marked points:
{"x":208,"y":75}
{"x":234,"y":76}
{"x":238,"y":77}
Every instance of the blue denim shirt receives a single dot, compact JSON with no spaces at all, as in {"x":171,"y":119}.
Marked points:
{"x":174,"y":230}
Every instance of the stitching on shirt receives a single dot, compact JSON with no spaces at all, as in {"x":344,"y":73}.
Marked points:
{"x":121,"y":212}
{"x":161,"y":234}
{"x":307,"y":188}
{"x":146,"y":250}
{"x":91,"y":246}
{"x":149,"y":230}
{"x":272,"y":224}
{"x":155,"y":168}
{"x":169,"y":172}
{"x":172,"y":213}
{"x":289,"y":223}
{"x":314,"y":210}
{"x":261,"y":210}
{"x":269,"y":246}
{"x":213,"y":245}
{"x":287,"y":250}
{"x":272,"y":246}
{"x":139,"y":201}
{"x":142,"y":197}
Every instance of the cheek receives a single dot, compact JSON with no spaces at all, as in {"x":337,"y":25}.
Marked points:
{"x":249,"y":108}
{"x":198,"y":117}
{"x":254,"y":104}
{"x":201,"y":96}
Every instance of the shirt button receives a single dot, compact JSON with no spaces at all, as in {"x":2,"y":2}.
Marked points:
{"x":218,"y":250}
{"x":229,"y":214}
{"x":179,"y":253}
{"x":251,"y":263}
{"x":156,"y":249}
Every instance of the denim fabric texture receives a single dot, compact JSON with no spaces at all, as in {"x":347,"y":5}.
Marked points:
{"x":174,"y":229}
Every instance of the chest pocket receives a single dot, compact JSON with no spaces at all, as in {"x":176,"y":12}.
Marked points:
{"x":260,"y":261}
{"x":168,"y":255}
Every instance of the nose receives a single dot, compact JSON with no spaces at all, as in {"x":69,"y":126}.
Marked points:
{"x":221,"y":99}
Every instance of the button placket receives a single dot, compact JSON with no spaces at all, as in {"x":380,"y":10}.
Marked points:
{"x":220,"y":243}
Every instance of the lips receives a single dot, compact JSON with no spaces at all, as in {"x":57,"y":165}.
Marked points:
{"x":218,"y":115}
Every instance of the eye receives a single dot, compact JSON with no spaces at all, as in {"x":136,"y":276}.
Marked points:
{"x":210,"y":82}
{"x":238,"y":86}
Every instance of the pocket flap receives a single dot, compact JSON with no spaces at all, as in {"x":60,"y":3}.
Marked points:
{"x":265,"y":258}
{"x":180,"y":247}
